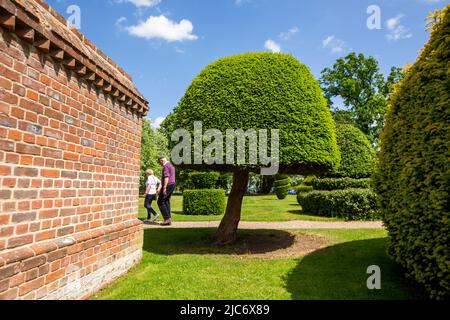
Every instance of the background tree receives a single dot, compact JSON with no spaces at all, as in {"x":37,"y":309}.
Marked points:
{"x":364,"y":90}
{"x":154,"y":144}
{"x":260,"y":91}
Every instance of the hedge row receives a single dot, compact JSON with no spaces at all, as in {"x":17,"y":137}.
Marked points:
{"x":349,"y":204}
{"x":204,"y":202}
{"x":303,"y":189}
{"x":340,"y":184}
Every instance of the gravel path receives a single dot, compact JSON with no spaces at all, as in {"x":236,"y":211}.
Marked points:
{"x":281,"y":225}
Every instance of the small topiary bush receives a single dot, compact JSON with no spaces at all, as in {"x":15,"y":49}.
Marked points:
{"x":282,"y":185}
{"x":309,"y":180}
{"x":303,"y":189}
{"x":204,"y":202}
{"x":412,"y":177}
{"x":204,"y":180}
{"x":357,"y":154}
{"x":340,"y":184}
{"x":350,"y":204}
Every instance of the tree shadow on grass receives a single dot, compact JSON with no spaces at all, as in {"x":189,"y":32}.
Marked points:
{"x":339,"y":272}
{"x":200,"y":241}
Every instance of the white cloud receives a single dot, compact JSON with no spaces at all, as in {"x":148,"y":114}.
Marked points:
{"x":142,"y":3}
{"x":272,"y":46}
{"x":120,"y":21}
{"x":397,"y":31}
{"x":160,"y":27}
{"x":158,"y":121}
{"x":289,"y":34}
{"x":334,"y":44}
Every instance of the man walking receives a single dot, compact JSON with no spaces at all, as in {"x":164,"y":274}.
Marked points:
{"x":167,"y":189}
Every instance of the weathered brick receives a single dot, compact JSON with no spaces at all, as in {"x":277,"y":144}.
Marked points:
{"x":8,"y":122}
{"x":26,"y":172}
{"x":28,"y":149}
{"x":30,"y":127}
{"x":9,"y":271}
{"x":23,"y":217}
{"x":11,"y":294}
{"x":20,"y":241}
{"x":55,"y":255}
{"x":31,"y":285}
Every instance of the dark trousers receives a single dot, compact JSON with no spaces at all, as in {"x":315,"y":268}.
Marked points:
{"x":148,"y":205}
{"x":164,"y":202}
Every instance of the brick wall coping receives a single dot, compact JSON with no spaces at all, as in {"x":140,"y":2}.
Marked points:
{"x":21,"y":254}
{"x":37,"y":23}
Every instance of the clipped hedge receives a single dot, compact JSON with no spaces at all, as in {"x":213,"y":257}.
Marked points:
{"x":357,"y":154}
{"x":340,"y":184}
{"x":303,"y":189}
{"x":309,"y":180}
{"x":282,"y":185}
{"x":204,"y":202}
{"x":204,"y":180}
{"x":412,"y":177}
{"x":350,"y":204}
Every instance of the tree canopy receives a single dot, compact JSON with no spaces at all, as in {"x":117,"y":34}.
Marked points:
{"x":263,"y":91}
{"x":364,"y":90}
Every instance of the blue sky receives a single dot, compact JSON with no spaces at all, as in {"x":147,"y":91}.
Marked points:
{"x":164,"y":44}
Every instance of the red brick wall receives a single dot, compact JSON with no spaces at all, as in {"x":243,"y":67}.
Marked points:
{"x":69,"y":166}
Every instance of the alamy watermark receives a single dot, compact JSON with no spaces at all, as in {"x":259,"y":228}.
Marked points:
{"x":374,"y":281}
{"x":374,"y":19}
{"x":74,"y":20}
{"x":228,"y":148}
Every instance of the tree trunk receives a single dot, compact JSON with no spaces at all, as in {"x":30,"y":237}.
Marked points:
{"x":226,"y":233}
{"x":267,"y":184}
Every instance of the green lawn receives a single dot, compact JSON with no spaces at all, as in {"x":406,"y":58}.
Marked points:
{"x":254,"y":208}
{"x":179,"y":264}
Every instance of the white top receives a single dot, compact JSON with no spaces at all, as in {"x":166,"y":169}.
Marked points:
{"x":152,"y":183}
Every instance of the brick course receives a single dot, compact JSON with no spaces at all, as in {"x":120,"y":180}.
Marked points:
{"x":69,"y":163}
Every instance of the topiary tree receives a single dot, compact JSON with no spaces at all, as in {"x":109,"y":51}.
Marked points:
{"x":357,"y":154}
{"x":282,"y":185}
{"x":412,"y":176}
{"x":261,"y":91}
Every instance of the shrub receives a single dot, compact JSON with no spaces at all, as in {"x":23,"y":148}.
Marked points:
{"x":350,"y":204}
{"x":204,"y":202}
{"x":412,"y":176}
{"x":340,"y":183}
{"x":309,"y":180}
{"x":282,"y":185}
{"x":204,"y":180}
{"x":357,"y":154}
{"x":303,"y":189}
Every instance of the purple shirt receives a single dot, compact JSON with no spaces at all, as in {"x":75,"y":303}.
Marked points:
{"x":168,"y":171}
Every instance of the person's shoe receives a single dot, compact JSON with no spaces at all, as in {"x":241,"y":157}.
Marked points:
{"x":147,"y":221}
{"x":167,"y":223}
{"x":155,"y":218}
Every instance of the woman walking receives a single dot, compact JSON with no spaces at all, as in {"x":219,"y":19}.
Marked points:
{"x":151,"y":189}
